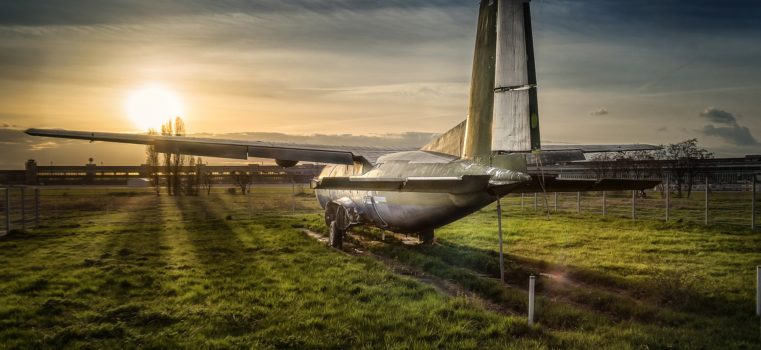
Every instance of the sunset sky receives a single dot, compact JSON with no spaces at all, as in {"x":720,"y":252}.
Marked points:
{"x":608,"y":71}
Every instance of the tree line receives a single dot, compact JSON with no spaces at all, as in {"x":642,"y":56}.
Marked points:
{"x":681,"y":160}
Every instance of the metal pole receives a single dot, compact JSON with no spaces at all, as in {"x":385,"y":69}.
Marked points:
{"x":758,"y":290}
{"x":708,"y":195}
{"x":753,"y":205}
{"x":536,"y":203}
{"x":604,"y":203}
{"x":37,"y":208}
{"x":8,"y":210}
{"x":501,"y":254}
{"x":634,"y":205}
{"x":293,"y":196}
{"x":578,"y":202}
{"x":668,"y":196}
{"x":556,"y":202}
{"x":23,"y":209}
{"x":531,"y":290}
{"x":250,"y":214}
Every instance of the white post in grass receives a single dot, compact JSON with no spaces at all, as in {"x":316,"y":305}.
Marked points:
{"x":522,"y":197}
{"x":531,"y":290}
{"x":634,"y":205}
{"x":536,"y":201}
{"x":578,"y":202}
{"x":501,"y":255}
{"x":556,"y":202}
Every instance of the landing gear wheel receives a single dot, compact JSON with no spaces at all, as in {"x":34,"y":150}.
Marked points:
{"x":336,"y":237}
{"x":427,"y":237}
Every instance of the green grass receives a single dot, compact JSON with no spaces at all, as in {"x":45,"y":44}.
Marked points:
{"x":110,"y":269}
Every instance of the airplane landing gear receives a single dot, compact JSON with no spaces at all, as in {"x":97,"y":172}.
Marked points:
{"x":336,"y":237}
{"x":427,"y":237}
{"x":338,"y":221}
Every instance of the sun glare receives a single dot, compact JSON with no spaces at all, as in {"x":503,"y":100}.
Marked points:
{"x":149,"y":106}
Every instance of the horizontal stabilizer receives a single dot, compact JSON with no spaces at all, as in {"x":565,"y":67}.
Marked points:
{"x":553,"y":184}
{"x":455,"y":185}
{"x":601,"y":148}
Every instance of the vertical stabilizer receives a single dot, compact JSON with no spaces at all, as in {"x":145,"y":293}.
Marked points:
{"x":478,"y":130}
{"x":515,"y":125}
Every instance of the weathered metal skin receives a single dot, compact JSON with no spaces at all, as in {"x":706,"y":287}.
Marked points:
{"x":409,"y":212}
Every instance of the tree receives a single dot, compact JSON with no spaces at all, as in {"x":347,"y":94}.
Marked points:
{"x":173,"y":162}
{"x":192,"y":180}
{"x":206,"y":182}
{"x":242,"y":179}
{"x":683,"y":158}
{"x":152,"y":160}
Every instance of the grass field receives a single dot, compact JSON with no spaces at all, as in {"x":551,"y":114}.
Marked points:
{"x":123,"y":269}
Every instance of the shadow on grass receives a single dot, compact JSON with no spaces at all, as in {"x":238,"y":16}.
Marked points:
{"x":662,"y":301}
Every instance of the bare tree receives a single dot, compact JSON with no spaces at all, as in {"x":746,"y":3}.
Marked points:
{"x":178,"y":160}
{"x":152,"y":160}
{"x":684,"y":158}
{"x":167,"y":130}
{"x":242,"y":179}
{"x":206,"y":182}
{"x":174,"y":162}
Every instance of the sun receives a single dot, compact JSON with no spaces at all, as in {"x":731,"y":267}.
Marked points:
{"x":151,"y":105}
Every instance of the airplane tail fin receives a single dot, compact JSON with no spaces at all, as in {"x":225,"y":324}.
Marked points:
{"x":478,"y":128}
{"x":503,"y":107}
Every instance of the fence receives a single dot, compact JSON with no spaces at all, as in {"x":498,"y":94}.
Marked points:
{"x":704,"y":205}
{"x":20,"y":208}
{"x":27,"y":207}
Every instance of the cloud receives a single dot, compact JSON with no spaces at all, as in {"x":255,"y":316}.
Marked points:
{"x":733,"y":132}
{"x":718,"y":116}
{"x":600,"y":112}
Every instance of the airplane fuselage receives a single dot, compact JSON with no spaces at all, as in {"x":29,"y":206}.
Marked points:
{"x":409,"y":212}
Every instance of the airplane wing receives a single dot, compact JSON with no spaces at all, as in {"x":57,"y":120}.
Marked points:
{"x":235,"y":149}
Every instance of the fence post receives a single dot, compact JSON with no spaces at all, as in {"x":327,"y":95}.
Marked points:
{"x":8,"y":210}
{"x":531,"y":290}
{"x":501,"y":255}
{"x":604,"y":203}
{"x":634,"y":205}
{"x":708,"y":194}
{"x":578,"y":202}
{"x":556,"y":202}
{"x":23,"y":209}
{"x":758,"y":290}
{"x":753,"y":205}
{"x":536,"y":201}
{"x":668,"y":196}
{"x":37,"y":208}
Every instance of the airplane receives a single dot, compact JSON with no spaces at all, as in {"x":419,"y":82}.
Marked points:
{"x":460,"y":172}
